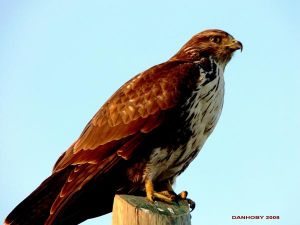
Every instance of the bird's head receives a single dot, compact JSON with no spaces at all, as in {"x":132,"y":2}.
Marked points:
{"x":215,"y":43}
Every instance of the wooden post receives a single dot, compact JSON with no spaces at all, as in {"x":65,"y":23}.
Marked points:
{"x":135,"y":210}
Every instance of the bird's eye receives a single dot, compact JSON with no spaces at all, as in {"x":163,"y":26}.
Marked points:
{"x":215,"y":39}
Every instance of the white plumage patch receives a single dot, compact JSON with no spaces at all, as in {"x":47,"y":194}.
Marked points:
{"x":204,"y":110}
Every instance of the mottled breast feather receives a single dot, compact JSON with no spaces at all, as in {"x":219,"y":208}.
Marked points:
{"x":198,"y":117}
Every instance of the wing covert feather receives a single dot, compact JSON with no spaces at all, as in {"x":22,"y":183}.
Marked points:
{"x":139,"y":106}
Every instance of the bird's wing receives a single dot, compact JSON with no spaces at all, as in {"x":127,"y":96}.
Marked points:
{"x":118,"y":128}
{"x":136,"y":108}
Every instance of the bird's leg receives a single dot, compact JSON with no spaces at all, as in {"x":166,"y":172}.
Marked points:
{"x":153,"y":195}
{"x":166,"y":189}
{"x":149,"y":190}
{"x":166,"y":194}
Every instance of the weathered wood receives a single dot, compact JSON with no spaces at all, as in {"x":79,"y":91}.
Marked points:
{"x":135,"y":210}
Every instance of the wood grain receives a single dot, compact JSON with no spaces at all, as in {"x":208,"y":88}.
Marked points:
{"x":135,"y":210}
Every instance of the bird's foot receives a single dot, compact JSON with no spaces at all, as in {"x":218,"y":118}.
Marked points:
{"x":164,"y":196}
{"x":168,"y":196}
{"x":191,"y":203}
{"x":183,"y":196}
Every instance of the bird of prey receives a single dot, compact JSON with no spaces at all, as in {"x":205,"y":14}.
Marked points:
{"x":140,"y":140}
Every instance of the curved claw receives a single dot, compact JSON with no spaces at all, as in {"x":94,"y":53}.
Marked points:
{"x":183,"y":195}
{"x":192,"y":204}
{"x":167,"y":195}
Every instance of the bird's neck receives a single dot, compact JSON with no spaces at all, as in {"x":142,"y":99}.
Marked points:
{"x":192,"y":55}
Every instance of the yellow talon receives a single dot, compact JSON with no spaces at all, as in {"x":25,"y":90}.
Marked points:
{"x":166,"y":195}
{"x":183,"y":194}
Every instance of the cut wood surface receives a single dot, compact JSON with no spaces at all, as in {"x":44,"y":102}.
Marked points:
{"x":136,"y":210}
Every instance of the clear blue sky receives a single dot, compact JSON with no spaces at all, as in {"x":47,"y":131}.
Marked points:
{"x":61,"y":60}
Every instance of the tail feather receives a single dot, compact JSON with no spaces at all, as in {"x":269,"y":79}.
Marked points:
{"x":95,"y":199}
{"x":34,"y":210}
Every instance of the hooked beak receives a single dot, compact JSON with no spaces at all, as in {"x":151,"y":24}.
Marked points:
{"x":235,"y":45}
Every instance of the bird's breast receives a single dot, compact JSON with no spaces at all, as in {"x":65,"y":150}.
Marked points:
{"x":198,"y":118}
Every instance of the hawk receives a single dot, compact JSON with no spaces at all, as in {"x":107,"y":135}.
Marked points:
{"x":140,"y":140}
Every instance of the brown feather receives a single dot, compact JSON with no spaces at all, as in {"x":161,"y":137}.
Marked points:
{"x":148,"y":128}
{"x":134,"y":108}
{"x":77,"y":179}
{"x":117,"y":128}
